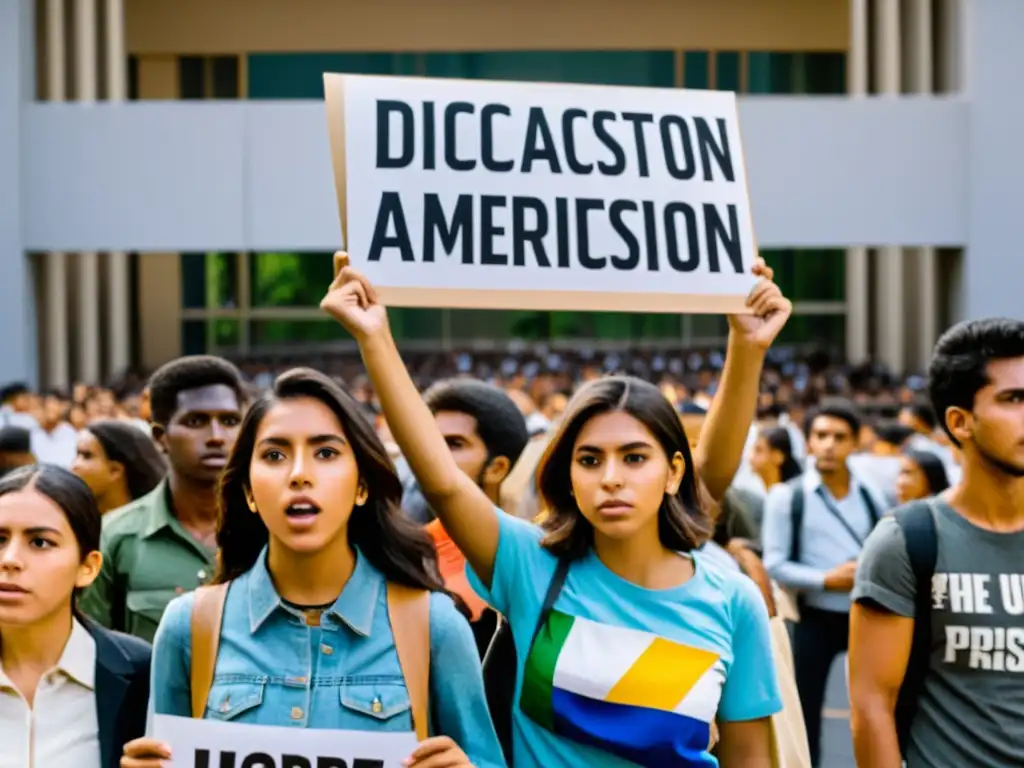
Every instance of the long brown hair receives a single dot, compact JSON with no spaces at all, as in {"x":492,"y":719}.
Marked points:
{"x":683,"y":524}
{"x":396,"y":546}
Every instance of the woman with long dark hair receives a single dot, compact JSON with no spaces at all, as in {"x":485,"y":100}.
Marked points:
{"x":312,"y":546}
{"x":119,"y":462}
{"x":922,"y":474}
{"x":71,"y":693}
{"x":772,"y":457}
{"x":629,"y":646}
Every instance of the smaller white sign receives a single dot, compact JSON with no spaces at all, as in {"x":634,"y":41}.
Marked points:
{"x":215,"y":744}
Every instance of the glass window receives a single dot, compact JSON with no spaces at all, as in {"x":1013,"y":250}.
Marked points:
{"x":696,"y":69}
{"x":265,"y":333}
{"x":819,"y":73}
{"x":727,"y":71}
{"x":210,"y":336}
{"x":192,"y":77}
{"x":643,"y":68}
{"x":416,"y":323}
{"x":811,"y":274}
{"x":290,"y":279}
{"x":224,"y":75}
{"x":209,"y":280}
{"x":827,"y":331}
{"x":708,"y":329}
{"x":300,"y":75}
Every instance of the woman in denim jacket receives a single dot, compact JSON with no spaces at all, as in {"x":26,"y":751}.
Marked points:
{"x":310,"y":534}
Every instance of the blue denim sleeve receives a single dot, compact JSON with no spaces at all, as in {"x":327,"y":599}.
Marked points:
{"x":172,"y":656}
{"x":457,"y":686}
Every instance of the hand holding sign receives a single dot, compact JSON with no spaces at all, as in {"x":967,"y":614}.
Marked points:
{"x":438,"y":752}
{"x":770,"y":310}
{"x":145,"y":753}
{"x":352,"y":301}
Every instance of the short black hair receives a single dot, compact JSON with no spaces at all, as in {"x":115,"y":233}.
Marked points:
{"x":13,"y":390}
{"x":191,"y":372}
{"x":959,"y":365}
{"x":499,"y":422}
{"x":923,"y":412}
{"x":893,"y":432}
{"x":15,"y":440}
{"x":836,"y":408}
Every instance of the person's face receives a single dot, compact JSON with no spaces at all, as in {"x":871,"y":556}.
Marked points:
{"x":53,"y":411}
{"x":77,"y":417}
{"x":304,"y":480}
{"x":911,"y":483}
{"x":92,"y":465}
{"x":554,"y":407}
{"x":35,"y":408}
{"x":994,"y":427}
{"x":764,"y":459}
{"x":830,"y":442}
{"x":22,"y":403}
{"x":202,"y":432}
{"x":40,"y":563}
{"x":145,"y":413}
{"x":620,"y":474}
{"x":469,"y":451}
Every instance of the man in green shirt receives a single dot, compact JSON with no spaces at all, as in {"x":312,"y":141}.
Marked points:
{"x":164,"y":544}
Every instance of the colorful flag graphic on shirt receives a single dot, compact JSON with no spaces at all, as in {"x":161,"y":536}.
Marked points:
{"x":624,"y":691}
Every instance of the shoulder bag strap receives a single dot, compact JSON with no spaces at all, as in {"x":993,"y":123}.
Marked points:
{"x":920,"y":534}
{"x":796,"y":514}
{"x":551,"y":596}
{"x":409,"y":614}
{"x":207,"y":615}
{"x":869,"y":505}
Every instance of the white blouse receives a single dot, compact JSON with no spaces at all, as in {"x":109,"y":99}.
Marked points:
{"x":61,"y":730}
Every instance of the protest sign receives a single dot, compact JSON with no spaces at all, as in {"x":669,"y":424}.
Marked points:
{"x":216,"y":744}
{"x":542,"y":196}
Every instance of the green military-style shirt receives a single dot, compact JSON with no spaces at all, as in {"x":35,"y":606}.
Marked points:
{"x":148,"y":560}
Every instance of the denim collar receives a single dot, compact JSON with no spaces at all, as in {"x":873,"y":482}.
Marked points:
{"x":355,"y":605}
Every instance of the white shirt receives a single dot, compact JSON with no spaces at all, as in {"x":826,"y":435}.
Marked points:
{"x":59,"y":447}
{"x":61,"y":730}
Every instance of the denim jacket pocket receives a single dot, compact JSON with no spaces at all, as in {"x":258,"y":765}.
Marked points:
{"x":230,"y":698}
{"x":380,"y":701}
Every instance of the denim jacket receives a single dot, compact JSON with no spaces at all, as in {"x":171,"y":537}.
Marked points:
{"x":273,"y":669}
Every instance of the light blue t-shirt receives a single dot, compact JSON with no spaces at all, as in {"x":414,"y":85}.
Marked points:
{"x":621,"y":675}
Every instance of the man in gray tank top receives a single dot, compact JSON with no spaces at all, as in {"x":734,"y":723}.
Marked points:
{"x":969,"y":706}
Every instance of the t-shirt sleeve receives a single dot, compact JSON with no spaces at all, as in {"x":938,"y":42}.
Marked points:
{"x":885,"y":577}
{"x":751,"y":689}
{"x":520,"y":565}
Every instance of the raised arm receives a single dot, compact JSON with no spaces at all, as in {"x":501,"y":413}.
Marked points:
{"x":724,"y":435}
{"x":464,"y":510}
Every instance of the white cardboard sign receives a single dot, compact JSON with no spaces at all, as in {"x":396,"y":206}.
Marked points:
{"x":214,"y":744}
{"x":527,"y":195}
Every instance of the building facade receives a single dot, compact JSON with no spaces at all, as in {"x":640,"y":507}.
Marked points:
{"x":165,"y":177}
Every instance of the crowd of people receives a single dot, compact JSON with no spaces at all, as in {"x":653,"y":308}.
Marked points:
{"x":534,"y":560}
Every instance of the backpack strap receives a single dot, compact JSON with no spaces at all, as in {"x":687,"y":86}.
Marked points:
{"x":869,"y":505}
{"x":409,"y":614}
{"x":796,"y":513}
{"x":207,"y":616}
{"x":917,"y":522}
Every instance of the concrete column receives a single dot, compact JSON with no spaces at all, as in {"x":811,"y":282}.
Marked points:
{"x":993,"y":271}
{"x":17,"y":346}
{"x":951,"y":33}
{"x":890,"y":341}
{"x":919,"y":64}
{"x":857,"y":307}
{"x":87,"y":277}
{"x":118,"y":277}
{"x":55,"y":264}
